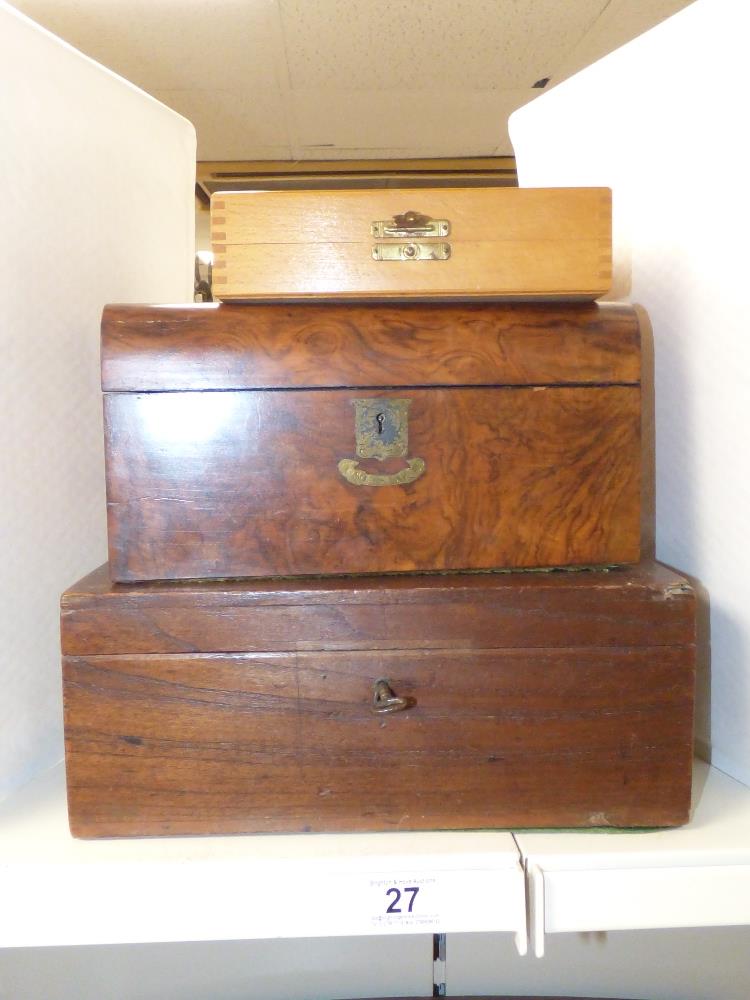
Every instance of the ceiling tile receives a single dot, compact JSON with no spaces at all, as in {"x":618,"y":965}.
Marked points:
{"x":418,"y":44}
{"x":233,"y":125}
{"x":416,"y":123}
{"x":620,"y":22}
{"x":172,"y":44}
{"x":367,"y":77}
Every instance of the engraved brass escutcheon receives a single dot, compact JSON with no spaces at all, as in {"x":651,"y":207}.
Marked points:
{"x":381,"y":430}
{"x":349,"y":469}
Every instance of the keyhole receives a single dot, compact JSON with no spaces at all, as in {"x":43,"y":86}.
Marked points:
{"x":380,"y":420}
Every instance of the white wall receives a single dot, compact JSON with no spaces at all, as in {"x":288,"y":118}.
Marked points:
{"x":96,"y":206}
{"x":326,"y":968}
{"x":687,"y":964}
{"x":663,"y":121}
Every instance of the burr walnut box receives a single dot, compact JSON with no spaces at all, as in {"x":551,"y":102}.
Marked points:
{"x":379,"y":703}
{"x":299,"y":439}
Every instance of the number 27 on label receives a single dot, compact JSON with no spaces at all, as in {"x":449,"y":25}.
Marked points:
{"x":398,"y":898}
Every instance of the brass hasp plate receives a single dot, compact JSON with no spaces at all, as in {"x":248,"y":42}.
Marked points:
{"x":411,"y":225}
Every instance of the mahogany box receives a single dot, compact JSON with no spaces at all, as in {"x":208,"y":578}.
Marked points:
{"x":406,"y":243}
{"x":382,"y":703}
{"x":299,"y":439}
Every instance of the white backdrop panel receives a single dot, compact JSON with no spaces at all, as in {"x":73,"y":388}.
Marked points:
{"x":663,"y":122}
{"x":97,"y":206}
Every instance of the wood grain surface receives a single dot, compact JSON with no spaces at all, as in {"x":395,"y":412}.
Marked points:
{"x":593,"y":731}
{"x":640,"y":606}
{"x":280,"y":346}
{"x":515,"y":242}
{"x":247,"y":483}
{"x":282,"y":742}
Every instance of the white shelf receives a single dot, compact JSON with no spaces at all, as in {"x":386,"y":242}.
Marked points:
{"x":59,"y":891}
{"x":697,"y":875}
{"x":55,"y":890}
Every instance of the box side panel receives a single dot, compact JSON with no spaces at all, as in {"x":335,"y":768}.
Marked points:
{"x":289,"y":742}
{"x":546,"y":269}
{"x":623,"y":607}
{"x":310,"y":217}
{"x":148,"y":349}
{"x":274,"y":483}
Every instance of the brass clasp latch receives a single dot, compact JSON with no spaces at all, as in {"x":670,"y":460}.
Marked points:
{"x":411,"y":251}
{"x":411,"y":225}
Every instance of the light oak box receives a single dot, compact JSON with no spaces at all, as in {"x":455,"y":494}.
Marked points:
{"x":429,"y":243}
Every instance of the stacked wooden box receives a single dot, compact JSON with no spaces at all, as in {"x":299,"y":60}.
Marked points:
{"x":381,"y":564}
